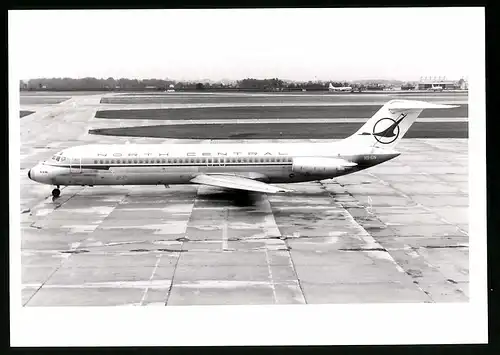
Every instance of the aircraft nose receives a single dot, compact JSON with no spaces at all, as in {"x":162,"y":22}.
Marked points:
{"x":29,"y":174}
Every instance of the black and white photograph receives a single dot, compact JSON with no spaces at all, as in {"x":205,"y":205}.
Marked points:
{"x":286,"y":171}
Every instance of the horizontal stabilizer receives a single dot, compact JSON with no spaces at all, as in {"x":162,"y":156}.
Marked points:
{"x":236,"y":182}
{"x":415,"y":105}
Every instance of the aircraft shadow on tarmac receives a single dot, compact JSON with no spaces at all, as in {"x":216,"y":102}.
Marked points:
{"x":234,"y":197}
{"x":250,"y":199}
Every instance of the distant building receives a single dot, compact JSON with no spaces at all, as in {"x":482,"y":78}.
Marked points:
{"x":430,"y":83}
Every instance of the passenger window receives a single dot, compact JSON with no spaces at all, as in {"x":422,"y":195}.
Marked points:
{"x":197,"y":161}
{"x":158,"y":161}
{"x":106,"y":161}
{"x":203,"y":160}
{"x":216,"y":160}
{"x":239,"y":160}
{"x":192,"y":160}
{"x":140,"y":161}
{"x":95,"y":161}
{"x":262,"y":160}
{"x":135,"y":161}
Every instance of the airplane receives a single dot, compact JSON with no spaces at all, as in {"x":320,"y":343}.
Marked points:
{"x":339,"y":88}
{"x":238,"y":166}
{"x":436,"y":88}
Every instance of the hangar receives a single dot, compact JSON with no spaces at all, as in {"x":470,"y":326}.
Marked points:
{"x":427,"y":83}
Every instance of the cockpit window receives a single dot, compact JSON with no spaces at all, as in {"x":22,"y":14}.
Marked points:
{"x":58,"y":158}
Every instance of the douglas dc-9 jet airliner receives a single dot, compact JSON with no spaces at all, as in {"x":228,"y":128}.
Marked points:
{"x":240,"y":166}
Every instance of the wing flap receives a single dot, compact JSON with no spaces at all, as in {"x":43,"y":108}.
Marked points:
{"x":236,"y":182}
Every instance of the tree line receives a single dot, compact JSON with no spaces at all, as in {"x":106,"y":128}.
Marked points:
{"x":124,"y":84}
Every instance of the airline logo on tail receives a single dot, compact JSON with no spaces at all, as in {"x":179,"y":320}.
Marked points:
{"x":386,"y":130}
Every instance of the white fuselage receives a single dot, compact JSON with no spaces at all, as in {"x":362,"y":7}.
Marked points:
{"x":169,"y":164}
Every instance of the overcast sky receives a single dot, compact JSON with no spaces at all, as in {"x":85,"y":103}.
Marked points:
{"x":300,"y":44}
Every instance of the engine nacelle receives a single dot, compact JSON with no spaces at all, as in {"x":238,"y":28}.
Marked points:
{"x":319,"y":165}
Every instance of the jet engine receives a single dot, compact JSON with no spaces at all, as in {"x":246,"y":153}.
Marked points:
{"x":320,"y":165}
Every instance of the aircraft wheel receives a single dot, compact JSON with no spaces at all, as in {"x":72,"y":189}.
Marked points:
{"x":56,"y":193}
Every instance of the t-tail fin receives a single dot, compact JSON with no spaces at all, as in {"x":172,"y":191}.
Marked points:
{"x":389,"y":124}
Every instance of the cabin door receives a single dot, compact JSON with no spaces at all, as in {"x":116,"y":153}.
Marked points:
{"x":75,"y":165}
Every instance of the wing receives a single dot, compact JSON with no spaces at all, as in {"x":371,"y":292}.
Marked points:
{"x":236,"y":182}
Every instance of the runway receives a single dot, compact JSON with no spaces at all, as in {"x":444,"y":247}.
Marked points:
{"x":365,"y":98}
{"x":266,"y":111}
{"x":393,"y":233}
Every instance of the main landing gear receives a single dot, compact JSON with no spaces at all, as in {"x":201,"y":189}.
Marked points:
{"x":56,"y":192}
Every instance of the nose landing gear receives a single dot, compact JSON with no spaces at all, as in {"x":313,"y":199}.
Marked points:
{"x":56,"y":192}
